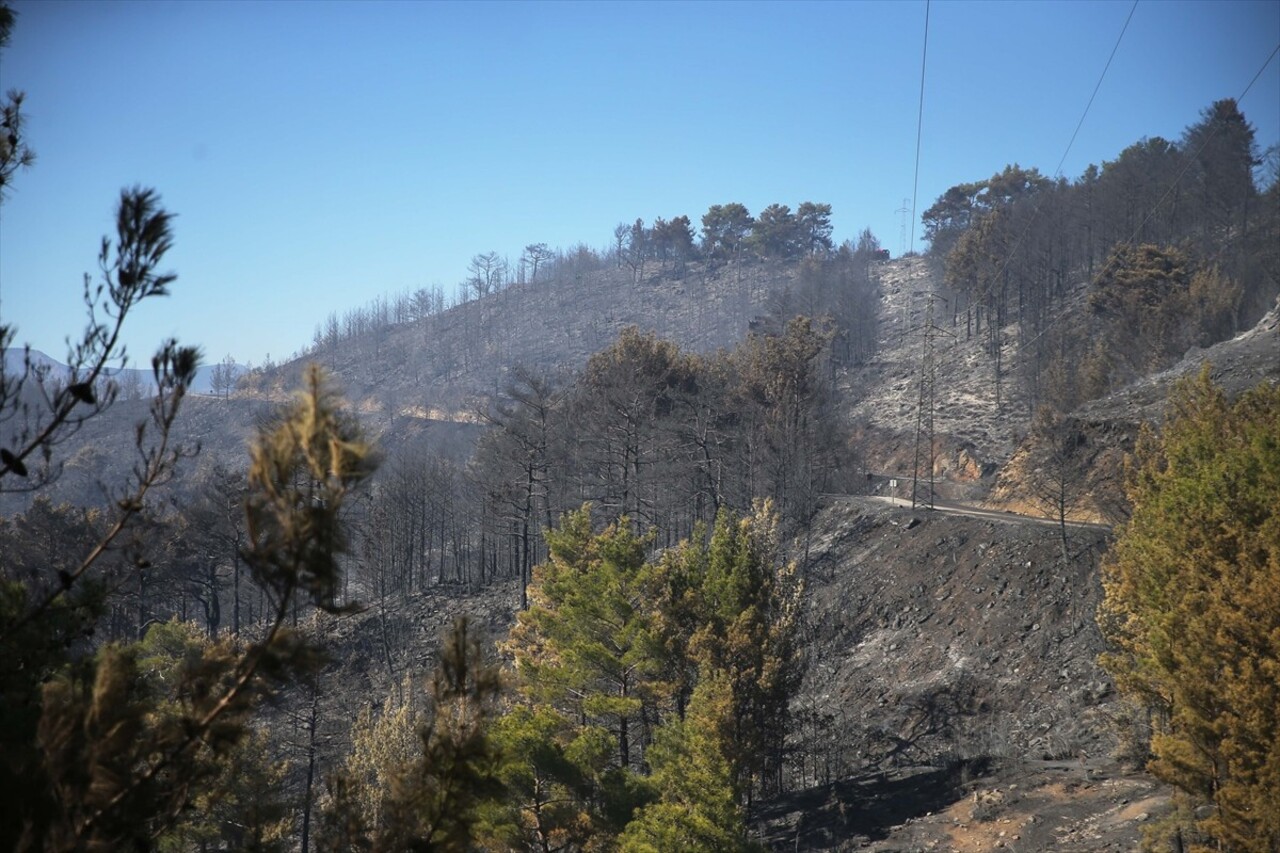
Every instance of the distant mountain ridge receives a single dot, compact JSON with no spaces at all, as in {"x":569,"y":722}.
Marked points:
{"x":14,"y":360}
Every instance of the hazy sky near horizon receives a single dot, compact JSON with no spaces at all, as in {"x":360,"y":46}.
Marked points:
{"x":320,"y":154}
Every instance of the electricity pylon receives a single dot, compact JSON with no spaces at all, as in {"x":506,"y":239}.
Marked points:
{"x":925,"y":408}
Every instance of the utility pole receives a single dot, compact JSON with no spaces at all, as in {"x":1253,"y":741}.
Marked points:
{"x":903,"y":212}
{"x":925,"y":407}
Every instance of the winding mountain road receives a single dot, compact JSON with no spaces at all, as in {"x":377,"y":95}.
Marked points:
{"x":979,"y":512}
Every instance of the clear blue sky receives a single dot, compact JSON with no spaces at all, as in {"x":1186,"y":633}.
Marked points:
{"x":320,"y":154}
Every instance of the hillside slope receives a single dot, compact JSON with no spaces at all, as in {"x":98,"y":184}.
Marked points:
{"x":974,"y":432}
{"x":424,"y":381}
{"x":441,"y":364}
{"x":103,"y":451}
{"x":951,"y":660}
{"x":1108,"y":427}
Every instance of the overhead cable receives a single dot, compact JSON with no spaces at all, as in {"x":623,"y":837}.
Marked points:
{"x":1035,"y":210}
{"x":915,"y":184}
{"x":1101,"y":77}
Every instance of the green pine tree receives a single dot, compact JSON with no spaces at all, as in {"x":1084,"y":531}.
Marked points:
{"x":587,"y":644}
{"x":697,"y":809}
{"x":549,"y":768}
{"x":121,"y":752}
{"x":749,"y":607}
{"x":588,"y":659}
{"x":1192,"y":606}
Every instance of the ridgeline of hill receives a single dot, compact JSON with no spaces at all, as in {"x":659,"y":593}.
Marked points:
{"x":444,"y":365}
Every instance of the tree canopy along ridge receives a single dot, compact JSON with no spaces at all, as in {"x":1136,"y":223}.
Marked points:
{"x":1176,"y":241}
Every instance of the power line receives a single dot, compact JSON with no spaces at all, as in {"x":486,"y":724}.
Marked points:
{"x":915,"y":183}
{"x":928,"y":366}
{"x":1274,"y":51}
{"x":1035,"y":211}
{"x":1196,"y":156}
{"x":1101,"y":77}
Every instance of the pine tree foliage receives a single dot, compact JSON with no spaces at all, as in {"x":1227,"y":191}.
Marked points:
{"x":240,"y":802}
{"x":744,"y":611}
{"x":1175,"y":238}
{"x":100,"y":752}
{"x":383,"y":743}
{"x":302,"y":468}
{"x":79,"y":762}
{"x":540,"y":810}
{"x":116,"y":737}
{"x":1154,"y":303}
{"x":550,"y":766}
{"x":587,"y":644}
{"x":1192,"y":605}
{"x":121,"y":751}
{"x":651,"y":690}
{"x":696,"y":808}
{"x":245,"y":806}
{"x":15,"y":153}
{"x":588,"y":662}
